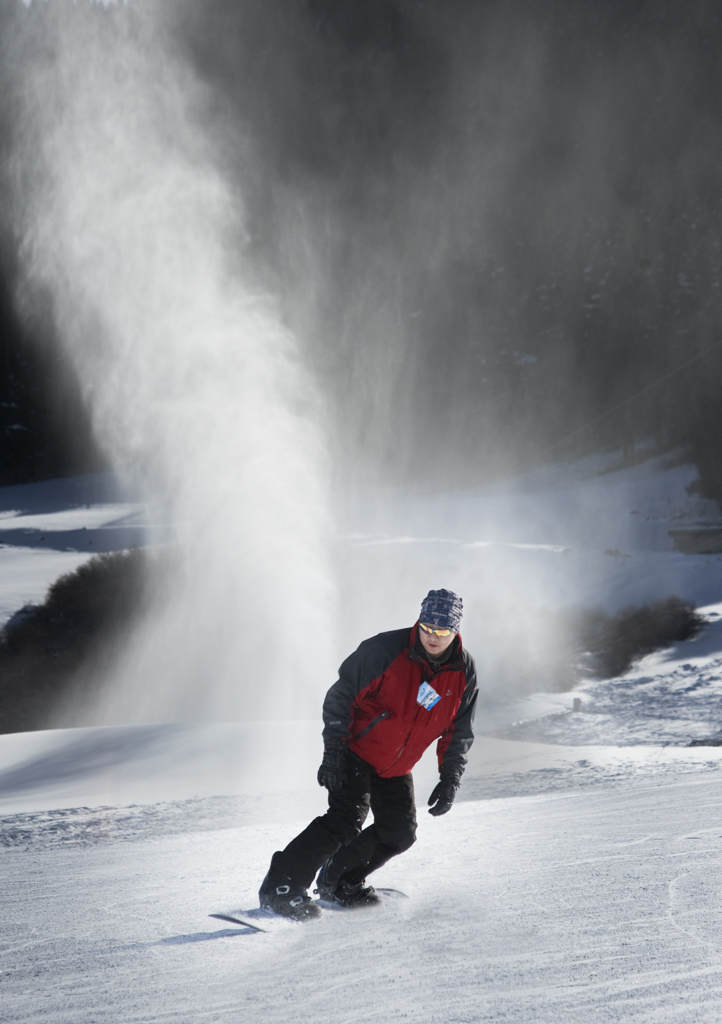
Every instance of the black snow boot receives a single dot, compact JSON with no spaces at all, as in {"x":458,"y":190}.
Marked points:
{"x":346,"y":894}
{"x":280,"y":895}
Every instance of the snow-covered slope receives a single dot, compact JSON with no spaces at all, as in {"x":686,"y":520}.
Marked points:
{"x":673,"y":696}
{"x":574,"y":880}
{"x":593,"y":905}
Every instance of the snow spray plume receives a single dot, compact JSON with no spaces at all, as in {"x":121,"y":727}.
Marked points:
{"x":195,"y":386}
{"x":486,"y":222}
{"x":505,"y":211}
{"x":500,"y":209}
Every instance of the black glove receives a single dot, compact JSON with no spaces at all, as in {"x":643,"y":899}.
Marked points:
{"x":443,"y":795}
{"x":332,"y":773}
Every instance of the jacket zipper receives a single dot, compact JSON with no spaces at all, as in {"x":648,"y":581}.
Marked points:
{"x":413,"y":656}
{"x":416,"y":718}
{"x":373,"y":724}
{"x":404,"y":744}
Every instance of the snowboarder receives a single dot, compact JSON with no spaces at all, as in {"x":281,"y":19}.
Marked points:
{"x":396,"y":694}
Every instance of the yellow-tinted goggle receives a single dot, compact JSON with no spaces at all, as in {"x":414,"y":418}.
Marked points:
{"x":436,"y":632}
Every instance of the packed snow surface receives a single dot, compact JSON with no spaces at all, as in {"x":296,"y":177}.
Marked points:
{"x":599,"y":903}
{"x":577,"y":879}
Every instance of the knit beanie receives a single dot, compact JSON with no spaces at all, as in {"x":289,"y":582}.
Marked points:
{"x":442,"y":609}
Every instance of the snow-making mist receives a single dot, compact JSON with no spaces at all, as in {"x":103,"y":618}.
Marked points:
{"x":196,"y":388}
{"x":331,"y":275}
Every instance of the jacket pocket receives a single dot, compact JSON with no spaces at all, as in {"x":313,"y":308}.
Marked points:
{"x":372,"y":724}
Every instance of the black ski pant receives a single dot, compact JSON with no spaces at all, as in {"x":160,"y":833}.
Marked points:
{"x":339,"y":833}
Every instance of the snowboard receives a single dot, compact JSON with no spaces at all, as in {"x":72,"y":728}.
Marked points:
{"x":387,"y":896}
{"x":265,"y":921}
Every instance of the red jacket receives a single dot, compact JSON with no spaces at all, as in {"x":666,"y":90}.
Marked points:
{"x":376,"y":704}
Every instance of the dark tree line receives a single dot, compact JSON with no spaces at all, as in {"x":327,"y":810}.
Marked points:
{"x":44,"y":429}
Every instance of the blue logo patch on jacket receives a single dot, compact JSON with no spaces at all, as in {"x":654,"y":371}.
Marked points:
{"x":427,"y":696}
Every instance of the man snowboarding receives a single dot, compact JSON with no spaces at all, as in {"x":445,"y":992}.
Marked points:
{"x":396,"y":694}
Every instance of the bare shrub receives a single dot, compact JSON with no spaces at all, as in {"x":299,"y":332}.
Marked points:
{"x":43,"y":647}
{"x":608,"y":645}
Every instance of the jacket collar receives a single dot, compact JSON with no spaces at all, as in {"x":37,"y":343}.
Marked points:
{"x":417,"y":653}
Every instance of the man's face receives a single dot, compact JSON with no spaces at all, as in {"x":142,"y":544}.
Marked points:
{"x":434,"y":645}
